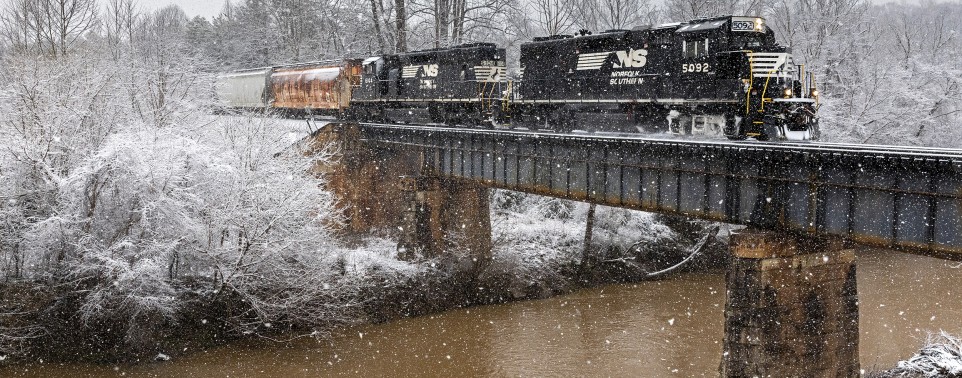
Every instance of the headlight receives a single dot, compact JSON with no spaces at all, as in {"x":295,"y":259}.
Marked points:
{"x":788,"y":93}
{"x":814,"y":93}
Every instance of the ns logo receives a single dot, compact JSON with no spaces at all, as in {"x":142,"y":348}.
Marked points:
{"x":426,"y":70}
{"x":430,"y":70}
{"x":631,"y":59}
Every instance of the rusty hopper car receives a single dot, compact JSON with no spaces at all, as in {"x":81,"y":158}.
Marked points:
{"x":245,"y":89}
{"x":315,"y":88}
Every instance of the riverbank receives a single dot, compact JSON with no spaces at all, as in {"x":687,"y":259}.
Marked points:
{"x":538,"y":253}
{"x":642,"y":327}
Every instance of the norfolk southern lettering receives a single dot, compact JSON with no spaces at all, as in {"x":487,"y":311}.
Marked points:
{"x":626,"y":77}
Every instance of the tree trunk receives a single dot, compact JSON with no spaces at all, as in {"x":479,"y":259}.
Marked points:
{"x":400,"y":23}
{"x":442,"y":10}
{"x":589,"y":229}
{"x":459,"y":11}
{"x":376,"y":16}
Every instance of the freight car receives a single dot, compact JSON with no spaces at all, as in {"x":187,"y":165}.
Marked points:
{"x":322,"y":88}
{"x":715,"y":76}
{"x":245,"y":89}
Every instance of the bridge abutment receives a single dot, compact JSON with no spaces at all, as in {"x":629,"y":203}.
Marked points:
{"x":791,"y":309}
{"x":394,"y":191}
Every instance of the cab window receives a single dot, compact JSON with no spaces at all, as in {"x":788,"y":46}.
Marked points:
{"x":748,"y":41}
{"x":694,"y":48}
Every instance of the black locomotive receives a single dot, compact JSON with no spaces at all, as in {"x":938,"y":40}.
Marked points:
{"x":723,"y":76}
{"x":458,"y":86}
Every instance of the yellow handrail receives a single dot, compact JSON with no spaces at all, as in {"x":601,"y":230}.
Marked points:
{"x":751,"y":81}
{"x":765,"y":89}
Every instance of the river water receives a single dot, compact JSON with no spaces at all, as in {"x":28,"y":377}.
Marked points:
{"x":664,"y":328}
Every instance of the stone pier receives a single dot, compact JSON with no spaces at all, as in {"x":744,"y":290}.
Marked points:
{"x":395,"y":193}
{"x":443,"y":215}
{"x":791,"y":309}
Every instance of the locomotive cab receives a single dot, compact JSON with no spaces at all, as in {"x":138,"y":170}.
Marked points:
{"x":373,"y":79}
{"x":737,"y":58}
{"x":780,"y":101}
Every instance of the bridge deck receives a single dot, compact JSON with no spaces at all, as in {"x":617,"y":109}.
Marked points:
{"x":886,"y":196}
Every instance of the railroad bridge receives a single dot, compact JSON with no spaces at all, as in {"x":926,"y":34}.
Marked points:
{"x":792,"y":305}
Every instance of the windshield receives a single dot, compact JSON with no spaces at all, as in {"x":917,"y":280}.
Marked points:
{"x":748,"y":41}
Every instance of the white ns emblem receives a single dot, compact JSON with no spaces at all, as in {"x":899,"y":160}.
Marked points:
{"x":631,"y":59}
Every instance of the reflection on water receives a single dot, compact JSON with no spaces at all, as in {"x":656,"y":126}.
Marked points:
{"x":666,"y":328}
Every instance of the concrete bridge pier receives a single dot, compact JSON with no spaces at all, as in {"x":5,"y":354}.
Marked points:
{"x":791,"y":308}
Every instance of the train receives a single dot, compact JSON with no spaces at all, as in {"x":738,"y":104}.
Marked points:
{"x":724,"y":76}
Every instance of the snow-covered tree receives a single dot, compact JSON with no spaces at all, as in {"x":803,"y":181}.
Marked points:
{"x":884,"y":71}
{"x":50,"y":27}
{"x":601,"y":15}
{"x":683,"y":10}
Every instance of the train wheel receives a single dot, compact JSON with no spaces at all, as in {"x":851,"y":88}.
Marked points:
{"x":770,"y":131}
{"x":563,"y":120}
{"x":476,"y":119}
{"x":733,"y":130}
{"x":525,"y":119}
{"x":486,"y":123}
{"x":361,"y":113}
{"x":674,"y":125}
{"x":378,"y":114}
{"x":736,"y":137}
{"x":532,"y":122}
{"x":498,"y":120}
{"x":447,"y":116}
{"x":681,"y":125}
{"x":436,"y":114}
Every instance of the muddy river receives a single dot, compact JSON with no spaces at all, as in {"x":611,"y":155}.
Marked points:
{"x":665,"y":328}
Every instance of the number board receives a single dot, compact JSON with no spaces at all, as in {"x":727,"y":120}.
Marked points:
{"x":743,"y":26}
